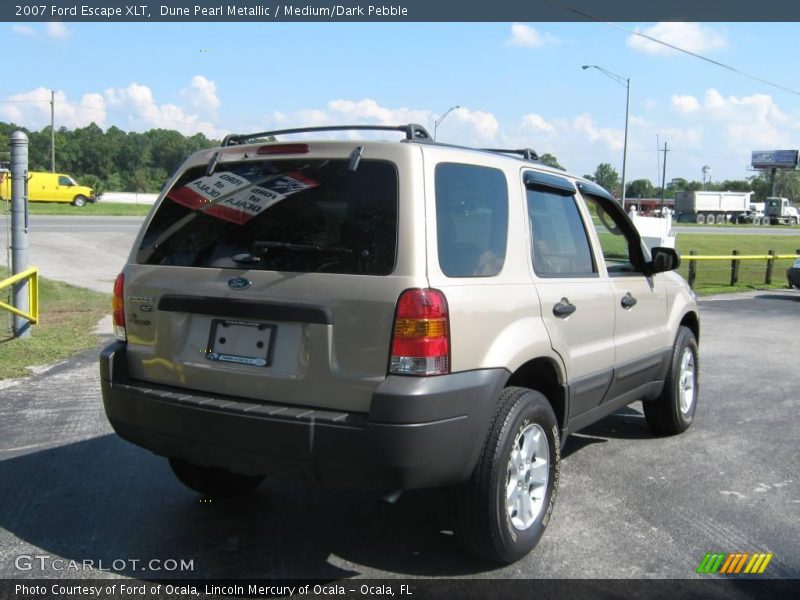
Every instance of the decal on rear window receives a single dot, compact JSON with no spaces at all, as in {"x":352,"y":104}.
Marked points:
{"x":235,"y":198}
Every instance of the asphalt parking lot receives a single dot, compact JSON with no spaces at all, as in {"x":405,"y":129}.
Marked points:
{"x":631,"y":504}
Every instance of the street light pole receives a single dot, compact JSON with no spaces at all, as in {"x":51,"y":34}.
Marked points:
{"x":442,"y":118}
{"x":627,"y":83}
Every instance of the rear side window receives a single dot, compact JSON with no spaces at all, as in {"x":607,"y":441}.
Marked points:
{"x":560,"y":244}
{"x":471,"y":219}
{"x":304,"y":216}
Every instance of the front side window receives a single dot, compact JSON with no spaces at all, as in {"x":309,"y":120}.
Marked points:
{"x":560,"y":246}
{"x":305,"y":216}
{"x":63,"y":180}
{"x":620,"y":249}
{"x":471,"y":219}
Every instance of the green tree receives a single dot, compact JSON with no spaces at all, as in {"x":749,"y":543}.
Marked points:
{"x":551,"y":161}
{"x":640,"y":188}
{"x":787,"y":185}
{"x":679,"y":184}
{"x":606,"y":176}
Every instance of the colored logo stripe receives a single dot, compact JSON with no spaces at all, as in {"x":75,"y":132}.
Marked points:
{"x":733,"y":563}
{"x":711,"y":563}
{"x":758,"y":563}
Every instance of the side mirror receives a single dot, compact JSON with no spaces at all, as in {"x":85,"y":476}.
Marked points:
{"x":663,"y":259}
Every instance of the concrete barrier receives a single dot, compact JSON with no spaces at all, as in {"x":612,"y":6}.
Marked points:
{"x":128,"y":197}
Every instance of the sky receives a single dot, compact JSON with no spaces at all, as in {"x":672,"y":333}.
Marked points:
{"x":517,"y":84}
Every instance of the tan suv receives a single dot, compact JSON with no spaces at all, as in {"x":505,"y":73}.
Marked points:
{"x":392,"y":315}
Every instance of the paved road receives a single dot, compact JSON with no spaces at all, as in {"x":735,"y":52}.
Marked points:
{"x":631,"y":504}
{"x":86,"y":251}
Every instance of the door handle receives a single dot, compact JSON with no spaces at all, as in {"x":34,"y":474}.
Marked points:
{"x":563,"y":309}
{"x":628,"y":301}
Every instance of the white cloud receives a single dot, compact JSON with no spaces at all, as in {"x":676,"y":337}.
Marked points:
{"x":689,"y":36}
{"x":57,"y":30}
{"x":613,"y":139}
{"x":201,"y":95}
{"x":133,"y":107}
{"x":33,"y":109}
{"x":138,"y":101}
{"x":685,"y":104}
{"x":370,"y":110}
{"x":23,"y":29}
{"x":527,"y":37}
{"x":744,"y":121}
{"x":463,"y":126}
{"x":478,"y":123}
{"x":710,"y":128}
{"x":537,"y":123}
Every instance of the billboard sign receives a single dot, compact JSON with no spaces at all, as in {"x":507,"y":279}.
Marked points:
{"x":774,"y":159}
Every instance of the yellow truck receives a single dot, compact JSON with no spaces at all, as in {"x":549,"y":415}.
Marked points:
{"x":49,"y":187}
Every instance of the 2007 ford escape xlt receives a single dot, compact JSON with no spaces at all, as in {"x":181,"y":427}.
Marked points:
{"x":392,"y":315}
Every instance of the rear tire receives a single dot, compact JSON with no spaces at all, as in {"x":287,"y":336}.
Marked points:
{"x":503,"y":509}
{"x":673,"y":411}
{"x":700,"y":219}
{"x":79,"y":201}
{"x":212,"y":481}
{"x":720,"y":219}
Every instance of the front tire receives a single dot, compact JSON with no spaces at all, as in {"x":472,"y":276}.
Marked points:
{"x":503,"y":509}
{"x":79,"y":201}
{"x":673,"y":411}
{"x":212,"y":481}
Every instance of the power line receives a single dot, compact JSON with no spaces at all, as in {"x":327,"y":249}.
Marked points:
{"x":674,"y":47}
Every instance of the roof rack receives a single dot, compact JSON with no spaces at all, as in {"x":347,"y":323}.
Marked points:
{"x":526,"y":153}
{"x":413,"y":132}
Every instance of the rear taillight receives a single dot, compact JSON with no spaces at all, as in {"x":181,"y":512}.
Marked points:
{"x":118,"y":309}
{"x":421,"y":336}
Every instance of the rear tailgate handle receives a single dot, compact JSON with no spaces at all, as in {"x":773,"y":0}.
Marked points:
{"x":628,"y":301}
{"x":563,"y":309}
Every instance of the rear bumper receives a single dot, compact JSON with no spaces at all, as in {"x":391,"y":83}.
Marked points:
{"x":420,"y":432}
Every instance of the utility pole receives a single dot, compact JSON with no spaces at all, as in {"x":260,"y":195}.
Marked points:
{"x":52,"y":131}
{"x":19,"y":228}
{"x":664,"y":177}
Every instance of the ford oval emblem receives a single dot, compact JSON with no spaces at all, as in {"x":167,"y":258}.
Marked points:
{"x":238,"y":283}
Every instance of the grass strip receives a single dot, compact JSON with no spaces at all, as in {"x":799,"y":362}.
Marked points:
{"x":100,"y":209}
{"x":713,"y":277}
{"x":68,"y":315}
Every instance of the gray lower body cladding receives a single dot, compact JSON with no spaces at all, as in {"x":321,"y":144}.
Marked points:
{"x":420,"y":432}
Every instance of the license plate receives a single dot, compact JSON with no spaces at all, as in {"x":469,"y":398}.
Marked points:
{"x":241,"y":342}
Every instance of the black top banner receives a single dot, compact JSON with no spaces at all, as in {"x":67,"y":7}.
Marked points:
{"x":400,"y":10}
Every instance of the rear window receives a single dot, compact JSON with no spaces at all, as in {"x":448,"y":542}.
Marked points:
{"x":304,"y":216}
{"x":471,"y":219}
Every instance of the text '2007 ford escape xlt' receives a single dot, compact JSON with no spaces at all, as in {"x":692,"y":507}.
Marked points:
{"x":392,"y":315}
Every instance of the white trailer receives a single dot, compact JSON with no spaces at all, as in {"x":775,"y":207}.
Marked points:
{"x":712,"y":207}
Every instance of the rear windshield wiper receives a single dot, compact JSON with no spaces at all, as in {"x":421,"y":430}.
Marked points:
{"x":266,"y":245}
{"x":262,"y":247}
